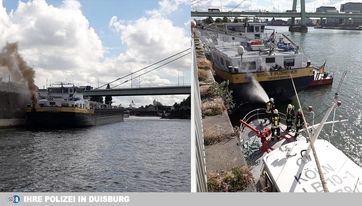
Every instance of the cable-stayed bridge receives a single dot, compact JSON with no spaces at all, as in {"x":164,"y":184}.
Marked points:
{"x":113,"y":88}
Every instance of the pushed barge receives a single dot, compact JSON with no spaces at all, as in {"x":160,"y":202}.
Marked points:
{"x":241,"y":52}
{"x":65,"y":106}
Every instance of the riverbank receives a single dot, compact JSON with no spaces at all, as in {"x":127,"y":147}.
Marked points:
{"x":224,"y":157}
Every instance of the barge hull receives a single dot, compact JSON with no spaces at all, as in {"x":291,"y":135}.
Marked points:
{"x":280,"y":90}
{"x":65,"y":118}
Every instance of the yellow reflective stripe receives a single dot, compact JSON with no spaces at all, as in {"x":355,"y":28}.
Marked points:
{"x":264,"y":76}
{"x":62,"y":109}
{"x":275,"y":122}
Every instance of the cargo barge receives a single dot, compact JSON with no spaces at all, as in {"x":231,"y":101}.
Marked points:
{"x":65,"y":106}
{"x":241,"y":52}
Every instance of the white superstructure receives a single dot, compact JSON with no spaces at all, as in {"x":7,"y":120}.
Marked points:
{"x":245,"y":47}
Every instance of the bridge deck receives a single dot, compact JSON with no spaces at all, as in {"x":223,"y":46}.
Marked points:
{"x":141,"y":91}
{"x":275,"y":14}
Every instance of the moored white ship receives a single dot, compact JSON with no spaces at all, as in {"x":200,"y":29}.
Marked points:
{"x":64,"y":105}
{"x":242,"y":51}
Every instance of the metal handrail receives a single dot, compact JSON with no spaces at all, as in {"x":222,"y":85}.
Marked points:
{"x":201,"y":175}
{"x":259,"y":112}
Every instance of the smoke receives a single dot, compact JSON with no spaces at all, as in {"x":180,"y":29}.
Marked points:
{"x":18,"y":68}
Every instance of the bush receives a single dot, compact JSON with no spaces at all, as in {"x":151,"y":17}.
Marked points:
{"x":203,"y":90}
{"x":236,"y":180}
{"x":203,"y":63}
{"x":212,"y":138}
{"x":220,"y":90}
{"x":203,"y":76}
{"x":214,"y":184}
{"x":239,"y":179}
{"x":212,"y":111}
{"x":212,"y":107}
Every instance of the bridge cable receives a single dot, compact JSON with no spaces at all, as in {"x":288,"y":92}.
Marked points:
{"x":154,"y":69}
{"x":153,"y":64}
{"x":236,"y":6}
{"x":196,"y":2}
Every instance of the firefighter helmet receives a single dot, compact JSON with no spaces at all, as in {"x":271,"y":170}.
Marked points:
{"x":275,"y":111}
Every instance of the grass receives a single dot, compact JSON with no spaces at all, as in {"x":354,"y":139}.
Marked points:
{"x":204,"y":89}
{"x":219,"y":90}
{"x":212,"y":138}
{"x":236,"y":180}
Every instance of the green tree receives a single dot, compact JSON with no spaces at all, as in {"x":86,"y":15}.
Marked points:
{"x":108,"y":99}
{"x":186,"y":102}
{"x":208,"y":20}
{"x":218,"y":20}
{"x":97,"y":99}
{"x":225,"y":19}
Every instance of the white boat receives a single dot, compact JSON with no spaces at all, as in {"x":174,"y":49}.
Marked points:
{"x":291,"y":166}
{"x":286,"y":169}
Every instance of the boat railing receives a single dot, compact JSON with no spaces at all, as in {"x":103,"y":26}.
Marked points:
{"x":259,"y":113}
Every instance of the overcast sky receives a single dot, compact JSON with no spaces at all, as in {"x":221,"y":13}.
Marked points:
{"x":270,"y":5}
{"x":86,"y":42}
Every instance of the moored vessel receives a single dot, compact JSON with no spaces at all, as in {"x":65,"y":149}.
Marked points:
{"x":321,"y":77}
{"x":65,"y":106}
{"x":242,"y":51}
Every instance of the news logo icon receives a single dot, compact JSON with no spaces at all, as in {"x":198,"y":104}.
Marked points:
{"x":14,"y":199}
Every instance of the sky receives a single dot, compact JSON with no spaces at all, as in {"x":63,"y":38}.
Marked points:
{"x":94,"y":42}
{"x":269,"y":5}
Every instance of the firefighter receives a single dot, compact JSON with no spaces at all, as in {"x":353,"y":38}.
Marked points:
{"x":290,"y":116}
{"x":275,"y":124}
{"x":298,"y":121}
{"x":269,"y":109}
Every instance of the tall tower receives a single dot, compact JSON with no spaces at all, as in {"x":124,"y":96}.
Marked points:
{"x":303,"y":24}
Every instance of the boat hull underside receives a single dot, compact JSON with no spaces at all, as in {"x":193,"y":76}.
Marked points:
{"x":280,"y":90}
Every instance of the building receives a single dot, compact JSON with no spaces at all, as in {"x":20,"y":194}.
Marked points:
{"x":352,"y":7}
{"x":327,"y":9}
{"x":328,"y":21}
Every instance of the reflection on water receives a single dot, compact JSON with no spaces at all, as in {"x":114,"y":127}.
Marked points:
{"x":342,"y":51}
{"x":140,"y":154}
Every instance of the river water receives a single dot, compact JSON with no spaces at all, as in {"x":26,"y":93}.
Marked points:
{"x":342,"y":51}
{"x":141,"y":154}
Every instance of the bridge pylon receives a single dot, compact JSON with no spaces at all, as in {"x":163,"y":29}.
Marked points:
{"x":302,"y":27}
